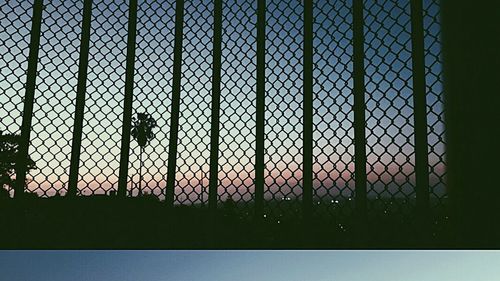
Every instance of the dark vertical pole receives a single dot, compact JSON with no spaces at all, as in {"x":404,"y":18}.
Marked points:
{"x":80,"y":98}
{"x":214,"y":135}
{"x":260,"y":107}
{"x":127,"y":103}
{"x":419,"y":102}
{"x":359,"y":108}
{"x":471,"y":68}
{"x":308,"y":108}
{"x":21,"y":163}
{"x":176,"y":98}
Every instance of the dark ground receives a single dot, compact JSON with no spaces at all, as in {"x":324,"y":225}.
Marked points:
{"x":103,"y":222}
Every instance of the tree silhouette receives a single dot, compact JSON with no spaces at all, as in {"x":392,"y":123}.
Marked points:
{"x":9,"y":155}
{"x":142,"y":132}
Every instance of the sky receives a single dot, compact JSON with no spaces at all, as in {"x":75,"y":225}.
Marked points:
{"x":388,"y":97}
{"x":250,"y":265}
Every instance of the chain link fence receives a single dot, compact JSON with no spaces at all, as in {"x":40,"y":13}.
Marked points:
{"x":389,"y":104}
{"x":390,"y":145}
{"x":435,"y":103}
{"x":153,"y":86}
{"x":333,"y":108}
{"x":15,"y":26}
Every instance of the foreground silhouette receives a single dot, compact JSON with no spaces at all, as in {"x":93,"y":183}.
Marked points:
{"x":144,"y":222}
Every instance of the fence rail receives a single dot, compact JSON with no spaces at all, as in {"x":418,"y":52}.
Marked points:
{"x":259,"y":101}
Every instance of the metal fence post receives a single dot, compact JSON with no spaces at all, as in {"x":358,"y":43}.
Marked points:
{"x":260,"y":107}
{"x":308,"y":109}
{"x":80,"y":99}
{"x":176,"y":97}
{"x":419,"y":101}
{"x":215,"y":130}
{"x":21,"y":161}
{"x":127,"y":103}
{"x":359,"y":108}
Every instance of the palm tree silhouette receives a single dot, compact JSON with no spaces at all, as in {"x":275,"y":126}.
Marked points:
{"x":142,"y":132}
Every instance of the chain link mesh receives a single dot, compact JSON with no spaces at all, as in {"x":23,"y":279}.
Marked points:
{"x":152,"y":92}
{"x":435,"y":114}
{"x":389,"y":105}
{"x":238,"y":96}
{"x":55,"y":96}
{"x":333,"y":102}
{"x":194,"y":122}
{"x":100,"y":157}
{"x":389,"y":100}
{"x":15,"y":26}
{"x":283,"y":118}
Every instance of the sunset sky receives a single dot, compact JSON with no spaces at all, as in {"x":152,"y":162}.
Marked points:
{"x":249,"y":265}
{"x":388,"y":93}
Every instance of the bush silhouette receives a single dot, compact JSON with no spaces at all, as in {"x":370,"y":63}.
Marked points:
{"x":9,"y":156}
